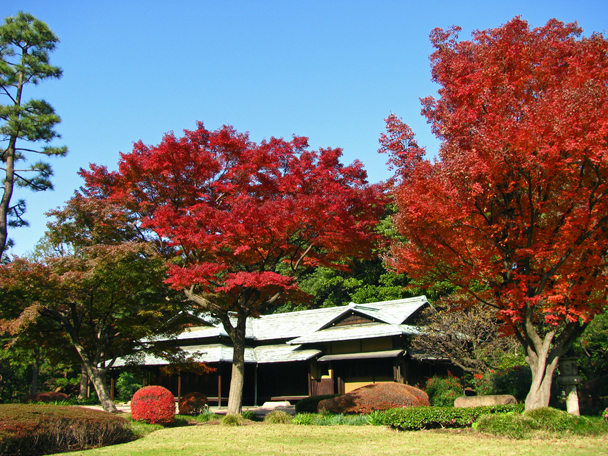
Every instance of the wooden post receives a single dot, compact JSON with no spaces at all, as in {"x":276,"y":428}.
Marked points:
{"x":219,"y":387}
{"x":179,"y":386}
{"x":112,"y":388}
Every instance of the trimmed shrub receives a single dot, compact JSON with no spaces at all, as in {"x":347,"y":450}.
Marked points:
{"x":303,"y":419}
{"x":192,"y":404}
{"x":154,"y":404}
{"x":443,"y":391}
{"x":416,"y":418}
{"x":278,"y":417}
{"x":248,"y":415}
{"x":47,"y":397}
{"x":543,"y":422}
{"x":29,"y":429}
{"x":377,"y":396}
{"x":310,"y":404}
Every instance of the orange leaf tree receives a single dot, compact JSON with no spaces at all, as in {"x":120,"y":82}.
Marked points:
{"x":242,"y":221}
{"x":515,"y":210}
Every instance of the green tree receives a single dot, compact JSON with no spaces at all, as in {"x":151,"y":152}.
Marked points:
{"x":104,"y":287}
{"x":25,"y":43}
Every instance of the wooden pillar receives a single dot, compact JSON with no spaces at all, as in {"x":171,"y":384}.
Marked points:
{"x":255,"y":386}
{"x":112,"y":388}
{"x":219,"y":387}
{"x":179,"y":386}
{"x":309,"y":384}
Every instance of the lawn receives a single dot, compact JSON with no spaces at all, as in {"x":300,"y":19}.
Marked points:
{"x":265,"y":439}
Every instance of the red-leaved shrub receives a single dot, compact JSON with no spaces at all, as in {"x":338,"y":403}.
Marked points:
{"x":192,"y":404}
{"x":377,"y":396}
{"x":47,"y":397}
{"x":154,"y":404}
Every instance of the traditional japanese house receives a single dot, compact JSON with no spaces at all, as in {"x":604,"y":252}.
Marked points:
{"x":298,"y":354}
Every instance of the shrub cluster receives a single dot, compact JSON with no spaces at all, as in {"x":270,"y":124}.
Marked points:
{"x":443,"y":391}
{"x":377,"y":396}
{"x":127,"y":386}
{"x":310,"y":404}
{"x":278,"y":417}
{"x":192,"y":404}
{"x":515,"y":381}
{"x":45,"y":429}
{"x":542,"y":422}
{"x":154,"y":404}
{"x":47,"y":397}
{"x":411,"y":419}
{"x":329,"y":420}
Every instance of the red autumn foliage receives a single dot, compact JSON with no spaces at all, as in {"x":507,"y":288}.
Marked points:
{"x":377,"y":396}
{"x":154,"y":404}
{"x":244,"y":220}
{"x":192,"y":404}
{"x":515,"y":211}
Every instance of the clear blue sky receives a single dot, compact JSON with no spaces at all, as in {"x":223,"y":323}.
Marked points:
{"x":328,"y":70}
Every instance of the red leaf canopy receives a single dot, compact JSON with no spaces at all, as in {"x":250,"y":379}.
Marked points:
{"x":245,"y":218}
{"x":516,"y":209}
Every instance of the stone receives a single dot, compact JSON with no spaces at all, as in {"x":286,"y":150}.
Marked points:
{"x":479,"y":401}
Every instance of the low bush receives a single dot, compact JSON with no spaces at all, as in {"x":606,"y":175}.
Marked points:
{"x":233,"y":419}
{"x":544,"y":422}
{"x":443,"y":391}
{"x":45,"y":429}
{"x":278,"y":417}
{"x":47,"y":397}
{"x":416,"y":418}
{"x":248,"y":415}
{"x":310,"y":404}
{"x":207,"y":415}
{"x":153,"y":404}
{"x":377,"y":396}
{"x":324,"y":419}
{"x":192,"y":404}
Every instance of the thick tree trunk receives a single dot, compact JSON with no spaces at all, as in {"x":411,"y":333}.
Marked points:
{"x":84,"y":382}
{"x":98,"y":378}
{"x":540,"y":390}
{"x":237,"y":380}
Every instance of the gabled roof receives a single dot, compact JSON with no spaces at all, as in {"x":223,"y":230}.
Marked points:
{"x":291,"y":325}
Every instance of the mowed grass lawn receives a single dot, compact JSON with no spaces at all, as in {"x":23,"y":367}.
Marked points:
{"x":265,"y":439}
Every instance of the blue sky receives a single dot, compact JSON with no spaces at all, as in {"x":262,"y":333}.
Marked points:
{"x":328,"y":70}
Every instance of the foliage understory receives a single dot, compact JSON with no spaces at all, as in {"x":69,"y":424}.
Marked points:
{"x":262,"y":439}
{"x":46,"y":429}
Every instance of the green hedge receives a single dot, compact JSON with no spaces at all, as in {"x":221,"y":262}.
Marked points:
{"x":415,"y":418}
{"x":33,"y":430}
{"x":310,"y":404}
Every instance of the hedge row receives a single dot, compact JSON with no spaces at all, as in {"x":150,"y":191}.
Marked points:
{"x":44,"y":429}
{"x":415,"y":418}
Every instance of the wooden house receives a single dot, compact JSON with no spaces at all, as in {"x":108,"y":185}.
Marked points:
{"x":298,"y":354}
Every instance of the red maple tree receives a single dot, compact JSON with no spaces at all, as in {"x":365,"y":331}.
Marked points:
{"x":244,"y":220}
{"x":515,"y":210}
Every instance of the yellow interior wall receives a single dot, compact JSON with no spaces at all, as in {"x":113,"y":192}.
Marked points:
{"x":371,"y":345}
{"x":349,"y":386}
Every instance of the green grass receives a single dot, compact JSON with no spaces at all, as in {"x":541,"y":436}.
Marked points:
{"x":263,"y":439}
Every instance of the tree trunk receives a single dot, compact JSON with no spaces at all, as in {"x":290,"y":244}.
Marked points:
{"x":237,"y":380}
{"x":84,"y":382}
{"x":98,"y":378}
{"x":540,"y":390}
{"x":35,"y":376}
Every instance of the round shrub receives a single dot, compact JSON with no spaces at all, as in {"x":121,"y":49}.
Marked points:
{"x":47,"y":397}
{"x":377,"y":396}
{"x":154,"y":404}
{"x":193,"y":404}
{"x":233,"y":419}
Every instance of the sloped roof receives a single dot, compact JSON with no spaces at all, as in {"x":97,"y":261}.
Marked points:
{"x":290,"y":330}
{"x":215,"y":353}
